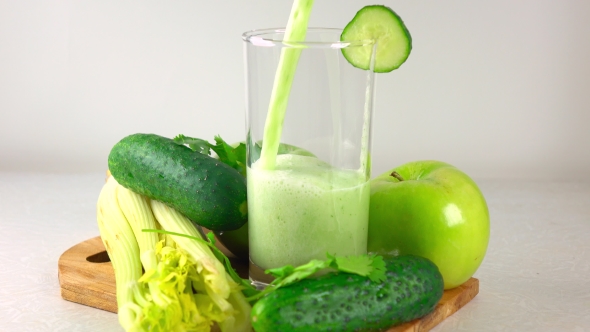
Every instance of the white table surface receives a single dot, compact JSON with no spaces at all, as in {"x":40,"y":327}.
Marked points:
{"x":535,"y":276}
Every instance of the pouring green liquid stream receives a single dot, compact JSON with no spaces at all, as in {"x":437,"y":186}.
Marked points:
{"x":295,"y":31}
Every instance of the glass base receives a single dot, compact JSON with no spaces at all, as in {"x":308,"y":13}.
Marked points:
{"x":257,"y":277}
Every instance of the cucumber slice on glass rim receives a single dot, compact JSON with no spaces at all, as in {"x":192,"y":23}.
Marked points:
{"x":382,"y":24}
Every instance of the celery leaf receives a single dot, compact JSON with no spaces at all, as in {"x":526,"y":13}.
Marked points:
{"x":232,"y":156}
{"x":371,"y":266}
{"x":288,"y":274}
{"x":195,"y":144}
{"x":235,"y":157}
{"x":361,"y":265}
{"x":379,"y":269}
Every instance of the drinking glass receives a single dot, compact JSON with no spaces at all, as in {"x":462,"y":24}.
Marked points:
{"x":311,"y":196}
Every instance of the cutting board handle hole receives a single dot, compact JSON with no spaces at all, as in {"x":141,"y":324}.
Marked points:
{"x":101,"y":257}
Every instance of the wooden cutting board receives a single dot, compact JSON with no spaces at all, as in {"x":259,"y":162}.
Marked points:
{"x":86,"y":276}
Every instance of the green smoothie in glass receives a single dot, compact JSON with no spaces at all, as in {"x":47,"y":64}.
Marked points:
{"x":303,"y":209}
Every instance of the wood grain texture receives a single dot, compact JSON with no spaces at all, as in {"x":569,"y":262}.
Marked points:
{"x":87,"y":282}
{"x":86,"y":276}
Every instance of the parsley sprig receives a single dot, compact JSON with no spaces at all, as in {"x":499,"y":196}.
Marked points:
{"x":370,"y":265}
{"x":232,"y":156}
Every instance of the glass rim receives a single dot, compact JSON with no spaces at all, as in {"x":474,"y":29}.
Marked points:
{"x":262,"y":37}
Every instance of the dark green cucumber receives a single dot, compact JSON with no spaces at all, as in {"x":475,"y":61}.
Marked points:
{"x":205,"y":190}
{"x":348,"y":302}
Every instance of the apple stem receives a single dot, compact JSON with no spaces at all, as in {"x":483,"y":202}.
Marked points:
{"x":397,"y":176}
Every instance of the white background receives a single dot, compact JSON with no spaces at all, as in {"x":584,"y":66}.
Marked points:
{"x":498,"y":88}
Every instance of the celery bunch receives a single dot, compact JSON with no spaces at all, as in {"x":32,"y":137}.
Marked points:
{"x":184,"y":287}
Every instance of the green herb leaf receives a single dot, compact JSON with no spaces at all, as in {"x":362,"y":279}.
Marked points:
{"x":233,"y":157}
{"x":371,"y":266}
{"x":224,"y":151}
{"x":361,"y":265}
{"x":288,"y":274}
{"x":195,"y":144}
{"x":379,"y":269}
{"x":211,"y":238}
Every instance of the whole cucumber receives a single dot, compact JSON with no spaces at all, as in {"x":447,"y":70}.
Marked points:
{"x":205,"y":190}
{"x":349,"y":302}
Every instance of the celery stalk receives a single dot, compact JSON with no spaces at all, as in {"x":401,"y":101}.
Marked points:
{"x":184,"y":286}
{"x":119,"y":241}
{"x":295,"y":31}
{"x":220,"y":288}
{"x":136,"y":209}
{"x":172,"y":221}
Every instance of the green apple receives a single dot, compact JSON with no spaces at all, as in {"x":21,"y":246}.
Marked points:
{"x":430,"y":209}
